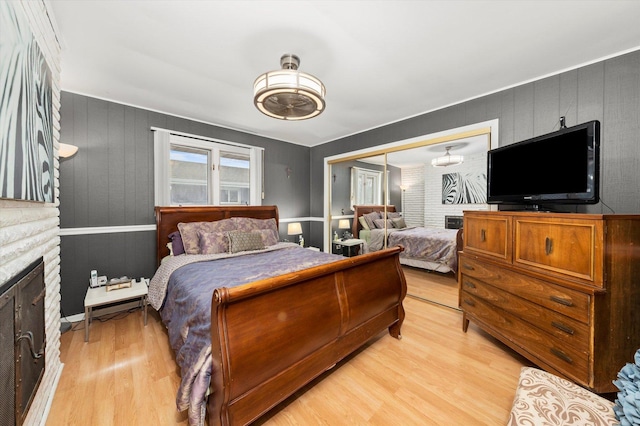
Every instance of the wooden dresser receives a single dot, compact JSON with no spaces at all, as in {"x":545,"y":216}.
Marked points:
{"x":562,"y":289}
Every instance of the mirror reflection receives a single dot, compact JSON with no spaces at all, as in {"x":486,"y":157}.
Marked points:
{"x":425,"y":187}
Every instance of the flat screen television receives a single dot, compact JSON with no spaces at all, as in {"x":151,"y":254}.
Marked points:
{"x":562,"y":167}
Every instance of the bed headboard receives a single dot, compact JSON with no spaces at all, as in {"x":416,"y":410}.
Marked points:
{"x":361,"y":210}
{"x":167,"y":219}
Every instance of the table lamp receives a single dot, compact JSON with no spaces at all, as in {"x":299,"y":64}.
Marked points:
{"x":344,"y":224}
{"x":296,"y":229}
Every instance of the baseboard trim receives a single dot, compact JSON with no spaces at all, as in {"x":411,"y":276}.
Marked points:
{"x":49,"y":403}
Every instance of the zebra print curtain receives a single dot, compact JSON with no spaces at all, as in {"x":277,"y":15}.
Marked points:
{"x":26,"y":128}
{"x":470,"y":188}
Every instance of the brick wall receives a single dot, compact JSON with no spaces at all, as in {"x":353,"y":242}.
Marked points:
{"x":29,"y":230}
{"x":423,"y":195}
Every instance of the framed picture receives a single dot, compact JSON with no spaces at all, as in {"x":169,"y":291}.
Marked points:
{"x":26,"y":128}
{"x":468,"y":188}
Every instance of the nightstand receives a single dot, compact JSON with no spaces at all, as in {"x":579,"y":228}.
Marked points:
{"x":348,"y":248}
{"x":99,"y":296}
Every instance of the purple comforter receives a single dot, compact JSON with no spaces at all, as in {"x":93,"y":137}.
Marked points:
{"x":427,"y":244}
{"x":187,"y":309}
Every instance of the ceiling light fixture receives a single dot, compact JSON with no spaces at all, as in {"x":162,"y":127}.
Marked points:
{"x":447,"y":159}
{"x":289,"y":94}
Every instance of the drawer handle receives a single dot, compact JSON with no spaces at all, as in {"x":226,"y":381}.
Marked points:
{"x":561,"y":355}
{"x":562,"y":301}
{"x":469,"y":284}
{"x":483,"y":235}
{"x":469,"y":267}
{"x":548,"y":246}
{"x":562,"y":327}
{"x":469,"y":302}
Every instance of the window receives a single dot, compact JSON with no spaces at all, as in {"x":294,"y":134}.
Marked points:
{"x":191,"y":170}
{"x":366,"y":186}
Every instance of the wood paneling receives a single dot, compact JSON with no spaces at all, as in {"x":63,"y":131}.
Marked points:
{"x":608,"y":91}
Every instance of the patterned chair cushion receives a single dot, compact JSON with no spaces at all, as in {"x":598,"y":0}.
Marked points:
{"x":545,"y":399}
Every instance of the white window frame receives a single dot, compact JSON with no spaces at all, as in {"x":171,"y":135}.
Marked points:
{"x":163,"y":139}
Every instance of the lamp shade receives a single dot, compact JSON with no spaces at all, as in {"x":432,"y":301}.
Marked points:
{"x":294,"y":228}
{"x":344,"y":224}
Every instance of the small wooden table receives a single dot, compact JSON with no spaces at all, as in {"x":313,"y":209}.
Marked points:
{"x":99,"y":296}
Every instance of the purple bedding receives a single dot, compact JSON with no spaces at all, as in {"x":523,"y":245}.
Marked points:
{"x":426,"y":244}
{"x":187,"y":308}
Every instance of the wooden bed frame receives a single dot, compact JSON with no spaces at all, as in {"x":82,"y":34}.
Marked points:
{"x":272,"y":337}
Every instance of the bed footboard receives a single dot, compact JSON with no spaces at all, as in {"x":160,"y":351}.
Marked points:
{"x":276,"y":335}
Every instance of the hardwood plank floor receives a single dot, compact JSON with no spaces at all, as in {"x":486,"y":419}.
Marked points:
{"x":435,"y":375}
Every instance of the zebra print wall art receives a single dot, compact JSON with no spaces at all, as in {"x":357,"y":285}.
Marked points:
{"x":468,"y":188}
{"x":26,"y":144}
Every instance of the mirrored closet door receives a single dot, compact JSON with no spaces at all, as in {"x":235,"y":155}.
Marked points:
{"x":405,"y":181}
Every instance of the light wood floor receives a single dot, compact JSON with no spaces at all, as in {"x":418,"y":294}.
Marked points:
{"x":435,"y":375}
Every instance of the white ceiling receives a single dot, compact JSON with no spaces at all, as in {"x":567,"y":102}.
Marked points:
{"x":381,"y":61}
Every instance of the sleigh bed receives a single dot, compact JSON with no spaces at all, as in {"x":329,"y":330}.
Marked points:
{"x":271,"y":336}
{"x":433,"y":249}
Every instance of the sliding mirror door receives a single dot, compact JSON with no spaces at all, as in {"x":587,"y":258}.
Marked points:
{"x":425,"y":196}
{"x":432,"y":205}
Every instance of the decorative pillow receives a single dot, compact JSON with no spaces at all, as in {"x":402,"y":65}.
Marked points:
{"x":248,"y":224}
{"x":177,"y":247}
{"x":393,"y":215}
{"x":363,"y":223}
{"x":399,"y":222}
{"x":370,"y":217}
{"x":269,"y":236}
{"x":379,"y":223}
{"x":189,"y":232}
{"x":244,"y":241}
{"x":213,"y":242}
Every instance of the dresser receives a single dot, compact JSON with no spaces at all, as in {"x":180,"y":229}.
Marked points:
{"x":561,"y":289}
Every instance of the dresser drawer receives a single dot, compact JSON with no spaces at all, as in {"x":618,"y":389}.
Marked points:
{"x":490,"y":236}
{"x":566,"y":329}
{"x":568,"y":302}
{"x":564,"y":247}
{"x":572,"y":362}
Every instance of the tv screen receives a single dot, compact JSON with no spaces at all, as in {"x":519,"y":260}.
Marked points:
{"x":559,"y":167}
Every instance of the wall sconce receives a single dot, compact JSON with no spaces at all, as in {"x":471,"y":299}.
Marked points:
{"x":296,"y":229}
{"x":288,"y":169}
{"x":66,"y":150}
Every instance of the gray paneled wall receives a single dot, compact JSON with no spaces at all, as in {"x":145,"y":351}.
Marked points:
{"x":109,"y":183}
{"x":608,"y":91}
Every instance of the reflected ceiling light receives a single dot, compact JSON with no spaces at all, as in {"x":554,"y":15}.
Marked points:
{"x":447,"y":159}
{"x":66,"y":150}
{"x":289,"y":94}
